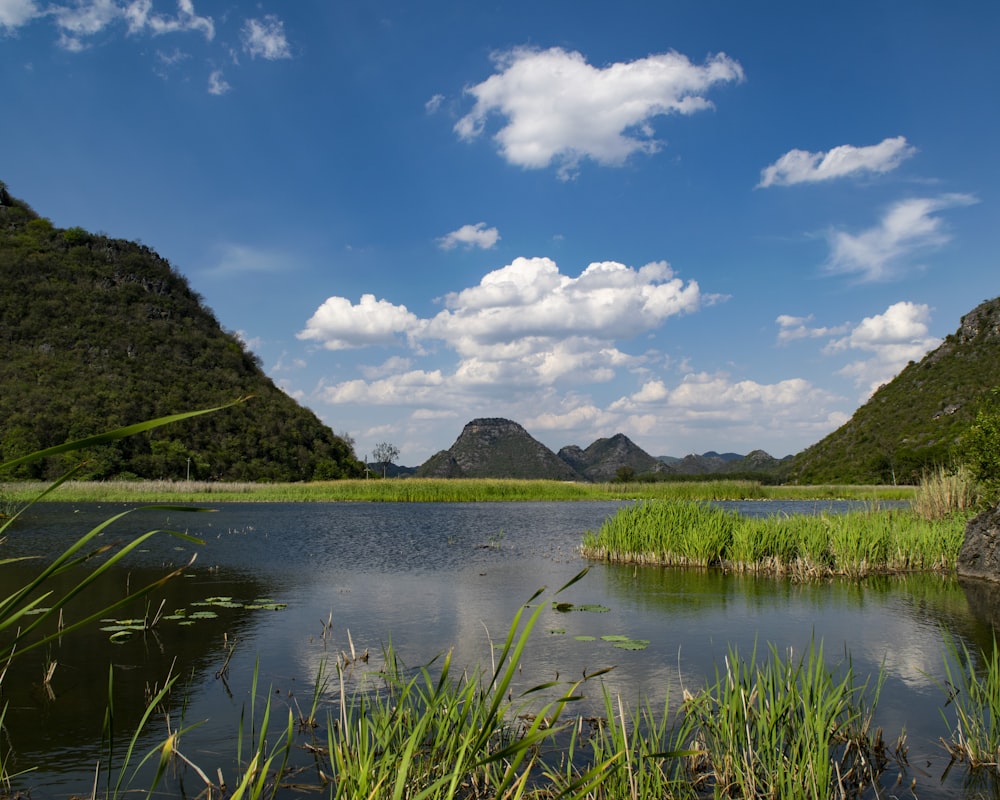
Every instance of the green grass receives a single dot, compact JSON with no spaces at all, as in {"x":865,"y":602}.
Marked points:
{"x":854,"y":544}
{"x":416,"y":490}
{"x":789,"y":727}
{"x":973,"y":707}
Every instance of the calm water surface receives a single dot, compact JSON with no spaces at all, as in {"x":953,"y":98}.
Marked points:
{"x":434,"y":577}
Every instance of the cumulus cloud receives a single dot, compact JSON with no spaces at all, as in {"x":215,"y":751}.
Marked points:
{"x":531,"y":298}
{"x":340,"y":325}
{"x":265,"y":38}
{"x":15,"y":13}
{"x":792,"y":328}
{"x":908,"y":226}
{"x":477,"y":235}
{"x":801,"y":166}
{"x":893,"y":338}
{"x":558,"y":108}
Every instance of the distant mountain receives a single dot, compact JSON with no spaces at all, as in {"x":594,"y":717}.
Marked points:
{"x":98,"y":333}
{"x":913,"y":423}
{"x":603,"y":460}
{"x":496,"y":448}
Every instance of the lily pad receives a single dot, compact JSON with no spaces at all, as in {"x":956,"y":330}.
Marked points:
{"x":614,"y":637}
{"x":632,"y":644}
{"x":585,"y":638}
{"x":121,"y":636}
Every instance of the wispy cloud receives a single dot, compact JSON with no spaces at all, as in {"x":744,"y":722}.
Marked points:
{"x":558,"y":108}
{"x":908,"y":226}
{"x":265,"y":38}
{"x":477,"y":235}
{"x":217,"y":84}
{"x":792,"y":328}
{"x":801,"y":166}
{"x":79,"y":23}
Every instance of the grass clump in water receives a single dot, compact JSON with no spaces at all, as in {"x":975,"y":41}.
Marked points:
{"x":788,"y":728}
{"x":855,"y":544}
{"x":974,"y":706}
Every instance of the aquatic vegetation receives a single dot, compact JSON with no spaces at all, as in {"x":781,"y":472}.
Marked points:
{"x":854,"y":544}
{"x":789,"y":727}
{"x":973,"y":705}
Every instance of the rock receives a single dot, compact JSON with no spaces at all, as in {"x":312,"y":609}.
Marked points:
{"x":980,"y":553}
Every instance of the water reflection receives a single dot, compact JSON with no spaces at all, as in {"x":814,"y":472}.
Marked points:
{"x":440,"y":576}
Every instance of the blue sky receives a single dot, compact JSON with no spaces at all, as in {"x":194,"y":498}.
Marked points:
{"x":706,"y":225}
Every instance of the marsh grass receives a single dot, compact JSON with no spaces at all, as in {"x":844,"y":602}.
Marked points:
{"x":972,"y":710}
{"x":452,"y":490}
{"x":855,"y":544}
{"x":944,"y":492}
{"x":788,"y":727}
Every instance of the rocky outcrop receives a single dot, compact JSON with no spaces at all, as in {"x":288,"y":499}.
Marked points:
{"x":980,"y":553}
{"x":492,"y":447}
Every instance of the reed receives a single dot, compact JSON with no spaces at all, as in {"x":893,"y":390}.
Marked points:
{"x":974,"y":701}
{"x":442,"y":736}
{"x":789,"y":728}
{"x":943,"y":492}
{"x":856,"y":544}
{"x":436,"y":490}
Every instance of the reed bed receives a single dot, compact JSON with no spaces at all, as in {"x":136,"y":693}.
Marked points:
{"x":436,"y":490}
{"x":943,"y":492}
{"x":856,"y":544}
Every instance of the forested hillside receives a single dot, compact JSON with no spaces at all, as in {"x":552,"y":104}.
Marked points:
{"x":97,"y":333}
{"x":915,"y":422}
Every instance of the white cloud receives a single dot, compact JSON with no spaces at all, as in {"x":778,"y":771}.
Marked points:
{"x":432,"y":105}
{"x":801,"y":166}
{"x":558,"y":108}
{"x":82,"y":20}
{"x":477,"y":235}
{"x":417,"y":387}
{"x":893,"y":338}
{"x":217,"y":84}
{"x":531,"y":298}
{"x":390,"y":366}
{"x":265,"y":38}
{"x":792,"y":328}
{"x":340,"y":325}
{"x":140,"y":17}
{"x":909,"y":225}
{"x":15,"y":13}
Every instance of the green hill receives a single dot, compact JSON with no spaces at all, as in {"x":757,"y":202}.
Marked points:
{"x":97,"y":333}
{"x":914,"y":422}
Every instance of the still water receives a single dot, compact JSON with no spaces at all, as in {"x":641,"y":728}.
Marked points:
{"x":326,"y":578}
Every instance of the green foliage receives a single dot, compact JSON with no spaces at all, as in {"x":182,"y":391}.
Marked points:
{"x":98,"y":332}
{"x":979,"y":448}
{"x":803,"y":545}
{"x":912,"y":425}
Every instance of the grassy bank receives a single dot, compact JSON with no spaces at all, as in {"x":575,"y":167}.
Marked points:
{"x":854,"y":544}
{"x":421,"y":490}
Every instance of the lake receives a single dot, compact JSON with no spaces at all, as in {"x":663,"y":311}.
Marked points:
{"x":304,"y":583}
